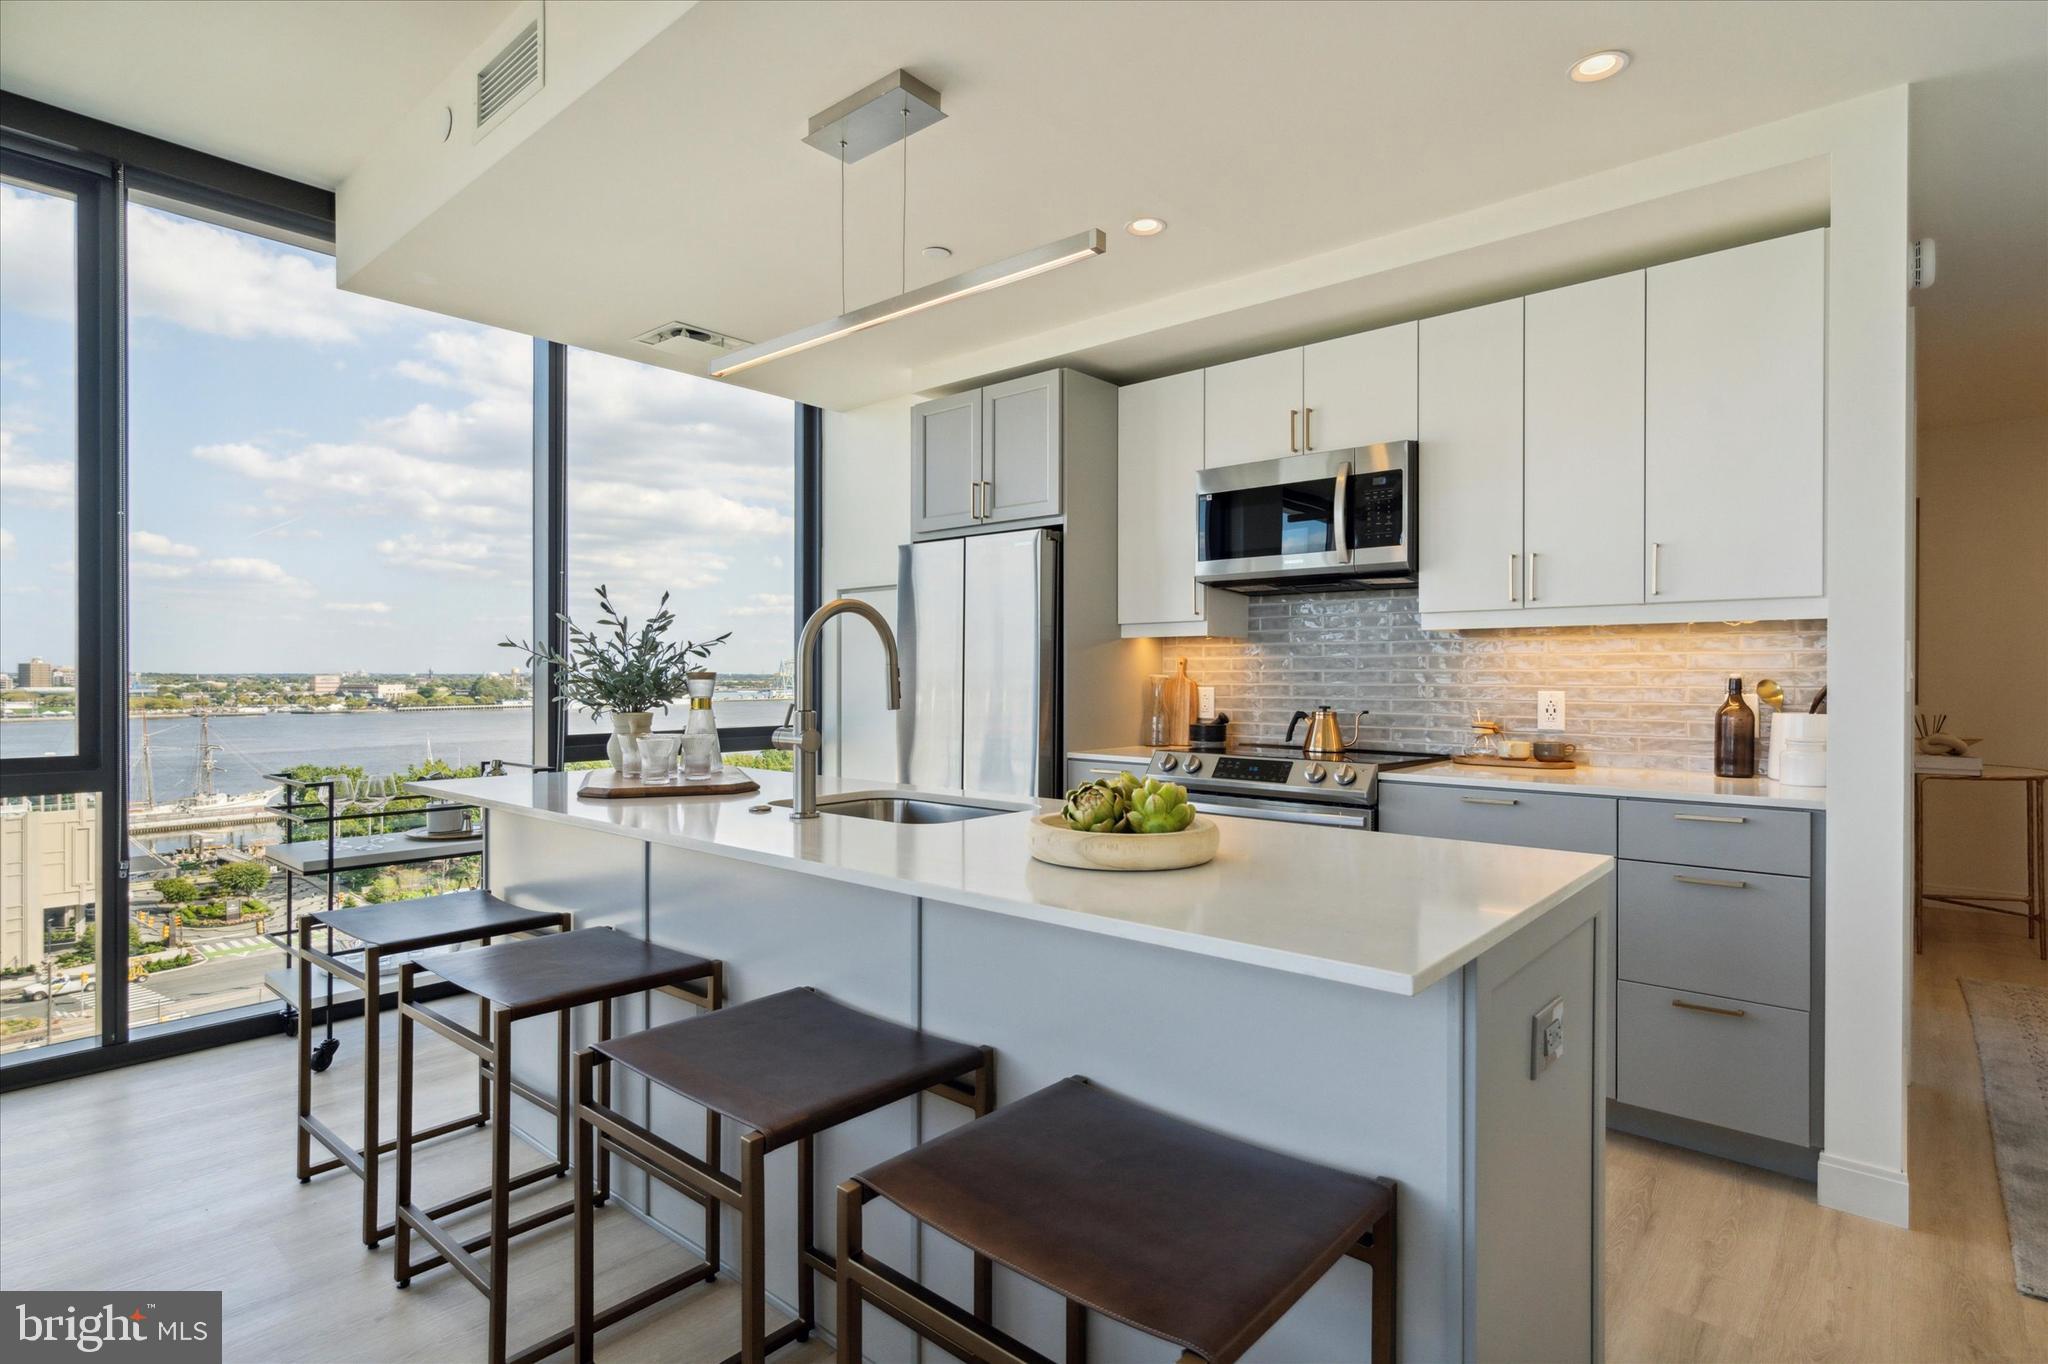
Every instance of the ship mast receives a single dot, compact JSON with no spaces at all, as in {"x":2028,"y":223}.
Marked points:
{"x":148,"y":767}
{"x":208,"y":764}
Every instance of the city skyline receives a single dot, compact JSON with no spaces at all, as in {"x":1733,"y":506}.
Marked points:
{"x":323,"y":481}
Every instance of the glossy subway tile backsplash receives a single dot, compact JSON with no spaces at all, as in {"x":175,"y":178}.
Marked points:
{"x":1635,"y":695}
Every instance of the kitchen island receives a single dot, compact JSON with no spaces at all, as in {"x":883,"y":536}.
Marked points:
{"x":1366,"y":1000}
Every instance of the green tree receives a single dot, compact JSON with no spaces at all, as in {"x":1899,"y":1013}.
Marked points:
{"x":177,"y":890}
{"x":490,"y":690}
{"x":241,"y":878}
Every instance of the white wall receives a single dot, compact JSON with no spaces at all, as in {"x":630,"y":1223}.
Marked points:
{"x":1984,"y":635}
{"x":1869,"y":571}
{"x":867,"y":515}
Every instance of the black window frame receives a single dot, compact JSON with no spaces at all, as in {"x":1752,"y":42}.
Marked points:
{"x":100,"y":165}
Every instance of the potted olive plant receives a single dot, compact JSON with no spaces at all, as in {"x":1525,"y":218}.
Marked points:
{"x":618,"y":671}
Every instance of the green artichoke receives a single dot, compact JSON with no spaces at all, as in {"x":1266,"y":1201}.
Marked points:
{"x":1160,"y":807}
{"x":1096,"y":808}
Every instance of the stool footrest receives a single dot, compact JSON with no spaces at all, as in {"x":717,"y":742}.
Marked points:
{"x":935,"y":1318}
{"x":616,"y":1313}
{"x":775,"y":1339}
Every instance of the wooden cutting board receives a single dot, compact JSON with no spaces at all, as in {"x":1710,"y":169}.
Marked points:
{"x":1537,"y":764}
{"x":609,"y":785}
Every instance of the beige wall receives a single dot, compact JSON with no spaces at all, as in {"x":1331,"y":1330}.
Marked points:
{"x":1984,"y":633}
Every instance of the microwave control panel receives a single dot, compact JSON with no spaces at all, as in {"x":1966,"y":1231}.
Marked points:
{"x":1376,"y":515}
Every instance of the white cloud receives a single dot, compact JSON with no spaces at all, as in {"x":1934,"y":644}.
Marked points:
{"x":265,"y":572}
{"x":6,"y":543}
{"x":773,"y":604}
{"x":442,"y":554}
{"x":33,"y":482}
{"x":377,"y":480}
{"x":152,"y":568}
{"x":360,"y":608}
{"x":149,"y":542}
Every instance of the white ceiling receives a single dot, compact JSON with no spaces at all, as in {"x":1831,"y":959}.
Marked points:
{"x":679,"y":188}
{"x":300,"y":89}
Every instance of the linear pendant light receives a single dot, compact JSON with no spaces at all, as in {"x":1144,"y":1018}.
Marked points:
{"x":980,"y":280}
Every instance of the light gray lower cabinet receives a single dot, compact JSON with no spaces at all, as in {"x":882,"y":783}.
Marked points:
{"x":1082,"y":770}
{"x":1716,"y":963}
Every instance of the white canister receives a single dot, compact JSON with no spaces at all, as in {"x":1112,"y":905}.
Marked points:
{"x":1799,"y":749}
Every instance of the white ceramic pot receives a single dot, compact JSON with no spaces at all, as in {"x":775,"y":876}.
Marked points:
{"x":628,"y":728}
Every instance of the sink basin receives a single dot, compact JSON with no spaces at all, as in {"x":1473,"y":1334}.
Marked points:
{"x":903,"y":809}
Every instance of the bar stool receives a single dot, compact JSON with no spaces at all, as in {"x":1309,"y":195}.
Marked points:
{"x":384,"y":930}
{"x":785,"y":1067}
{"x":1197,"y":1238}
{"x":554,"y":974}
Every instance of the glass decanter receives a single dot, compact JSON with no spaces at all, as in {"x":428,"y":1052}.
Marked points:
{"x":701,"y":758}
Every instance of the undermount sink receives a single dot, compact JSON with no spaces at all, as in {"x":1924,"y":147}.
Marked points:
{"x":904,"y":809}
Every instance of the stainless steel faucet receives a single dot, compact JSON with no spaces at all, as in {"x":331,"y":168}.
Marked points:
{"x":801,"y":733}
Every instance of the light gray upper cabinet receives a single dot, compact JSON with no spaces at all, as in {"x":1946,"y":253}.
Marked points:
{"x":1252,"y":409}
{"x":1020,"y":441}
{"x":988,"y":456}
{"x":1159,"y":452}
{"x":1359,"y":390}
{"x":945,"y":463}
{"x":1470,"y":417}
{"x":1582,"y":493}
{"x":1734,"y":458}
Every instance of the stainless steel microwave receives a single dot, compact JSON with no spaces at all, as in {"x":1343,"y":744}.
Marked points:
{"x":1333,"y":520}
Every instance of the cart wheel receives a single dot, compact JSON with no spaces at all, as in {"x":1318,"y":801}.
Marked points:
{"x":289,"y":1022}
{"x":323,"y":1055}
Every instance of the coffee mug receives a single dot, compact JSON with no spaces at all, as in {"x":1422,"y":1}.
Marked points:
{"x":1554,"y":750}
{"x":1513,"y":748}
{"x":447,"y":821}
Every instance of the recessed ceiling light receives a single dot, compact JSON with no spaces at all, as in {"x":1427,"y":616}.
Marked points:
{"x":1598,"y":66}
{"x":937,"y":252}
{"x":1145,"y":227}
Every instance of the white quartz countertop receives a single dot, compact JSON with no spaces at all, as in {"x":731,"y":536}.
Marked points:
{"x":1642,"y":782}
{"x":1383,"y":911}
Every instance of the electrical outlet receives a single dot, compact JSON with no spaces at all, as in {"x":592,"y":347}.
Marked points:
{"x":1550,"y":710}
{"x":1546,"y":1043}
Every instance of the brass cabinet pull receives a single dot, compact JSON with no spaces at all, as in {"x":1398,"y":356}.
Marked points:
{"x":1532,"y":575}
{"x":1308,"y":442}
{"x":1713,"y":819}
{"x":1489,"y":800}
{"x":1709,"y":1009}
{"x":1514,"y":562}
{"x":1294,"y":430}
{"x":1656,"y":562}
{"x":1711,"y":881}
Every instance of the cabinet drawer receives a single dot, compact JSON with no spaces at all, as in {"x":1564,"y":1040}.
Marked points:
{"x":1499,"y":814}
{"x":1741,"y":837}
{"x":1745,"y":1068}
{"x":1746,"y":936}
{"x":1080,"y":771}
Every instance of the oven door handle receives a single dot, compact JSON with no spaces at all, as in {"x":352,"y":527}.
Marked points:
{"x":1278,"y":811}
{"x":1340,"y":523}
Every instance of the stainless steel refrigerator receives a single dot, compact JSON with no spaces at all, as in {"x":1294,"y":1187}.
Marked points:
{"x":978,"y":624}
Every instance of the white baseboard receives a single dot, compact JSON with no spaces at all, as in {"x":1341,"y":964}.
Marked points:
{"x":1871,"y":1191}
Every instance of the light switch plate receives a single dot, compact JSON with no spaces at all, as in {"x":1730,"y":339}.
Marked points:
{"x":1546,"y":1041}
{"x":1550,"y":710}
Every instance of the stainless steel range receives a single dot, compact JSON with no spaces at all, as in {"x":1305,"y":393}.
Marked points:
{"x":1273,"y":781}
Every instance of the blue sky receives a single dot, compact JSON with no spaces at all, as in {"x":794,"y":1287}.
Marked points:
{"x":321,"y":481}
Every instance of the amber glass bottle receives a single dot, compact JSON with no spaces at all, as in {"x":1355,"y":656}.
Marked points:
{"x":1734,"y":735}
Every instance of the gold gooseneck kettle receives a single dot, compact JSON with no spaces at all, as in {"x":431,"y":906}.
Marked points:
{"x":1325,"y":737}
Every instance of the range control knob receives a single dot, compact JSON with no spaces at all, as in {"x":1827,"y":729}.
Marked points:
{"x":1315,"y":773}
{"x":1167,"y":762}
{"x":1193,"y":764}
{"x":1346,"y":775}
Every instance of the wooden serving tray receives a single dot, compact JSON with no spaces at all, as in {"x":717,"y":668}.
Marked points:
{"x":609,"y":785}
{"x":1052,"y":841}
{"x":1540,"y":764}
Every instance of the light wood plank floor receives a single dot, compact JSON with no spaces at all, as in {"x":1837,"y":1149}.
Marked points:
{"x":177,"y":1175}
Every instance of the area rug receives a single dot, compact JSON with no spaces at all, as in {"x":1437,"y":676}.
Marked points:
{"x":2011,"y":1023}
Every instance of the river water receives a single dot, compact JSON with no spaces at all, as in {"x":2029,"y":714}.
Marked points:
{"x":378,"y":741}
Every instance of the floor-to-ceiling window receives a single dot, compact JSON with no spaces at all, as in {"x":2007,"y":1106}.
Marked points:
{"x":686,"y":486}
{"x":329,"y":505}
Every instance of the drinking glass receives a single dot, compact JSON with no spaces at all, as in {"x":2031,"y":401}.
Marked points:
{"x":658,"y":757}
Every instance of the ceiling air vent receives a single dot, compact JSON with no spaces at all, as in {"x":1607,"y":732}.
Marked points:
{"x":687,"y":341}
{"x":508,"y":79}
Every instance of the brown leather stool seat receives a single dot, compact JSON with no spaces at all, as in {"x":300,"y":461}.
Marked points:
{"x":555,"y":974}
{"x":1198,"y":1238}
{"x":785,"y":1068}
{"x":383,"y":931}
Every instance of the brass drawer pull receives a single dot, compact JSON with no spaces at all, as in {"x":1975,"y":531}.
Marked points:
{"x":1710,"y":881}
{"x":1713,"y":819}
{"x":1489,"y":800}
{"x":1709,"y":1009}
